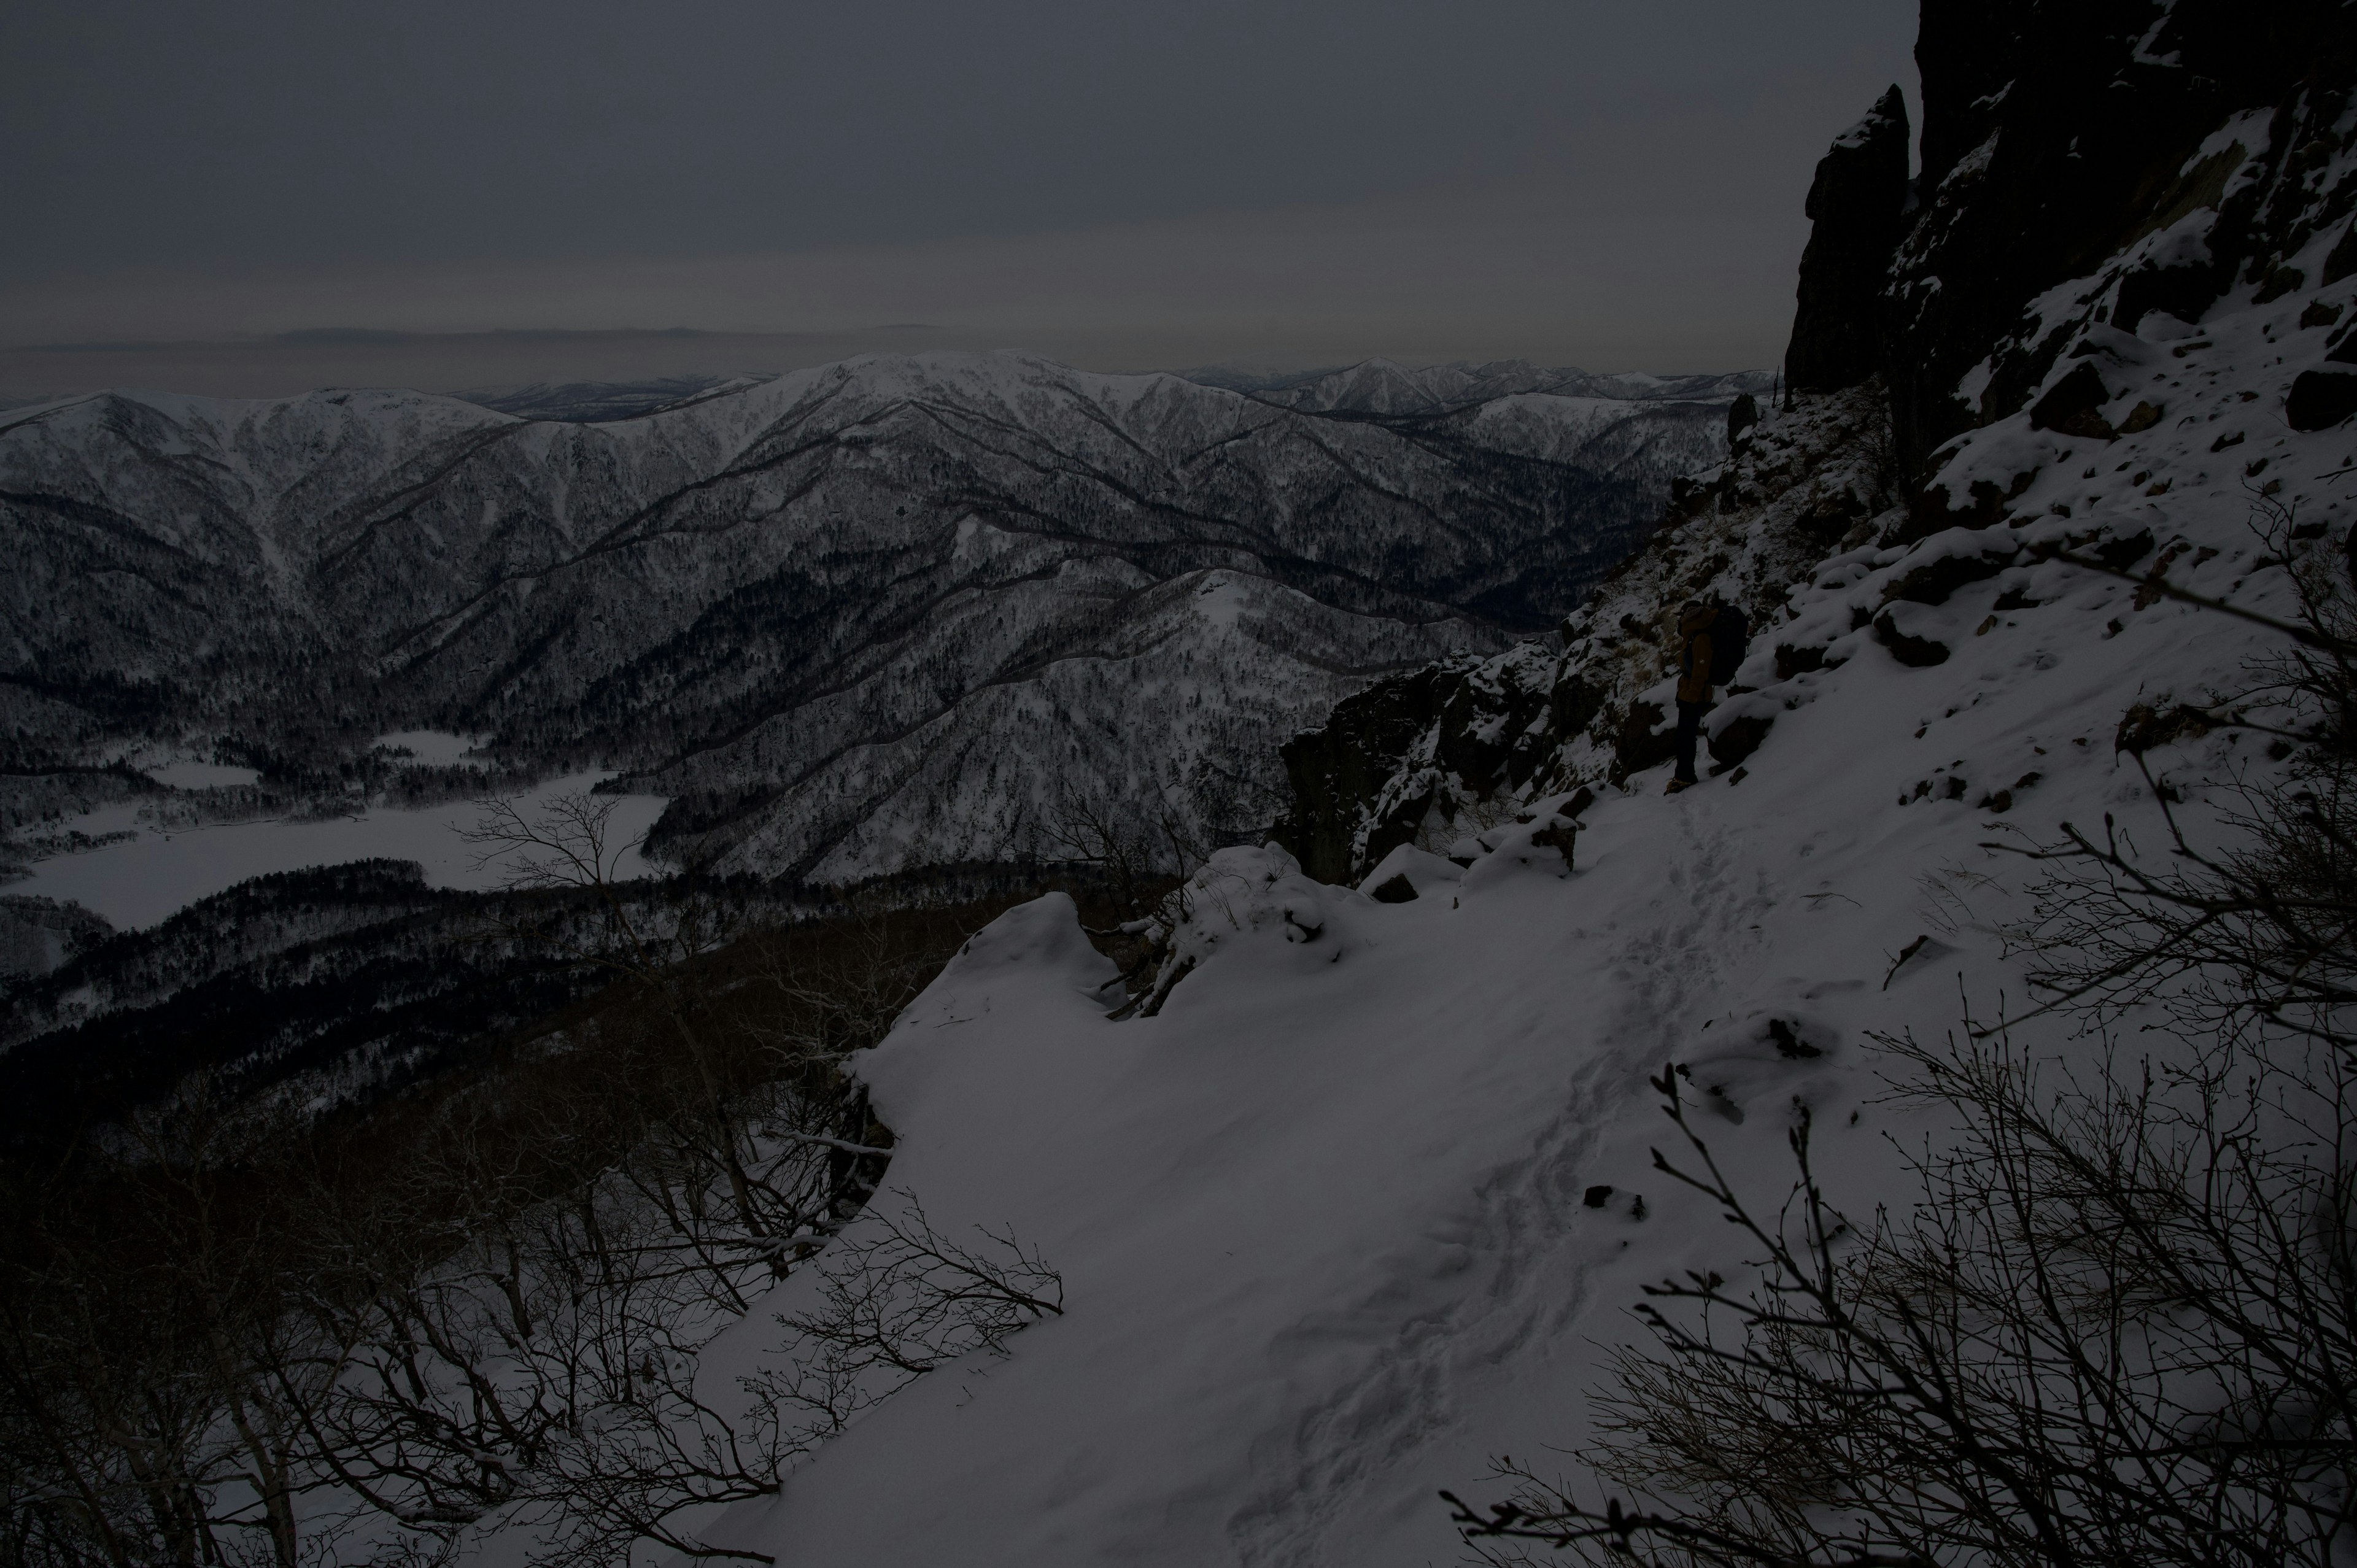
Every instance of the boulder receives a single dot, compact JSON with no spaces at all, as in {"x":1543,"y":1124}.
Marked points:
{"x":2074,"y":406}
{"x":1936,"y":509}
{"x":1741,"y":415}
{"x":1932,"y":582}
{"x":1641,"y":742}
{"x":1560,"y":837}
{"x":1737,"y":738}
{"x":1793,"y":660}
{"x":1920,"y":652}
{"x":2149,"y":724}
{"x":2120,"y":555}
{"x":2320,"y":399}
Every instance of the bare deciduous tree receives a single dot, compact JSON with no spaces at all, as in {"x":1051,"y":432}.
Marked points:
{"x":2119,"y":1326}
{"x":233,"y":1336}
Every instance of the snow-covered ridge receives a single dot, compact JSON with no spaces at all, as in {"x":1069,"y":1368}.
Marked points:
{"x":849,"y":618}
{"x":1339,"y":1223}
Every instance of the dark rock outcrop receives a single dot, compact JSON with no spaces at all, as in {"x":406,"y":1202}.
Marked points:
{"x":1433,"y":755}
{"x":2151,"y":155}
{"x":1932,"y":582}
{"x":1741,"y":415}
{"x":1737,"y":739}
{"x":1916,"y":653}
{"x":2074,"y":406}
{"x":2320,"y":400}
{"x":2058,"y":134}
{"x":1856,"y":204}
{"x":1335,"y":769}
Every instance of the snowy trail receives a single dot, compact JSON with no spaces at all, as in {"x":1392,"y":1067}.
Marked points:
{"x":1316,"y":1221}
{"x":1523,"y":1290}
{"x":1323,"y":1222}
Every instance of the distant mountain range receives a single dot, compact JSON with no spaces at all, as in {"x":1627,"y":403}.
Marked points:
{"x":1374,"y":386}
{"x":877,"y":614}
{"x":602,"y":402}
{"x":1381,"y":387}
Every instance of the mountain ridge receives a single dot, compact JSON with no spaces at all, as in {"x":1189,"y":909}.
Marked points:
{"x":754,"y":597}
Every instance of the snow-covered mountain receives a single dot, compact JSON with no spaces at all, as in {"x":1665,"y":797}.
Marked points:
{"x":1367,"y":1202}
{"x":876,"y":614}
{"x":1361,"y":1202}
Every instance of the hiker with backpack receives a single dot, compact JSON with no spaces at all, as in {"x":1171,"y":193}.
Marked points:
{"x":1714,"y":638}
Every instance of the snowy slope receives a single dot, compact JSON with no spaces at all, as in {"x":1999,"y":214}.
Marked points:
{"x":825,"y":613}
{"x":1321,"y":1221}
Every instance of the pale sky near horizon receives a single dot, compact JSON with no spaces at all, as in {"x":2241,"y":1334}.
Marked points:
{"x":1126,"y":186}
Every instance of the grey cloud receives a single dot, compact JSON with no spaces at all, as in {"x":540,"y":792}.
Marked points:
{"x":1123,"y":184}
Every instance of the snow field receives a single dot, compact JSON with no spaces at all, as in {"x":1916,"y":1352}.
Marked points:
{"x":144,"y":880}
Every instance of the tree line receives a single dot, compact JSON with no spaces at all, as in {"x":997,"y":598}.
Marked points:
{"x":236,"y":1331}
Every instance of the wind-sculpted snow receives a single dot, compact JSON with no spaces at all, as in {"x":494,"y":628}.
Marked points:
{"x":850,"y":618}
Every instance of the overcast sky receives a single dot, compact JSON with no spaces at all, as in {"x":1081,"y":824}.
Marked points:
{"x":1122,"y":185}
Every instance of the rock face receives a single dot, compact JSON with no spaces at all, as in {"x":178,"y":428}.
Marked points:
{"x":1431,"y":756}
{"x":2097,"y":175}
{"x":1855,"y":205}
{"x":2059,"y":136}
{"x":1741,"y":415}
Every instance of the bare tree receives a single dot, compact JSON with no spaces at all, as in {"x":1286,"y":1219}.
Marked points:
{"x":2119,"y":1327}
{"x":2118,"y":1324}
{"x":571,"y":846}
{"x":1142,"y":848}
{"x":231,"y":1336}
{"x":2255,"y":928}
{"x":158,"y":1388}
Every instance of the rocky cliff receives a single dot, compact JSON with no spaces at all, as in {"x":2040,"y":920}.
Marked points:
{"x":2155,"y":155}
{"x":2097,"y":178}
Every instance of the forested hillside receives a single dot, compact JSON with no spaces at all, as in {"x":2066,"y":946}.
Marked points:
{"x":876,"y":615}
